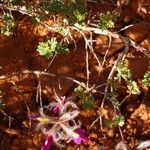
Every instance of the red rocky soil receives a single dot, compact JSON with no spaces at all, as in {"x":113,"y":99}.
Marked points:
{"x":18,"y":53}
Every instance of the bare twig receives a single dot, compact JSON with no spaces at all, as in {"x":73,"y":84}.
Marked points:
{"x":46,"y":69}
{"x":9,"y":117}
{"x":119,"y":59}
{"x":92,"y":50}
{"x":22,"y":10}
{"x":109,"y":44}
{"x":87,"y":68}
{"x":96,"y":30}
{"x":121,"y":134}
{"x":5,"y":77}
{"x":39,"y":91}
{"x":126,"y":27}
{"x":19,"y":91}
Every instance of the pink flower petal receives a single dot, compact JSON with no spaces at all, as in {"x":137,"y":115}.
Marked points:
{"x":63,"y":99}
{"x":33,"y":117}
{"x":80,"y":131}
{"x":55,"y":110}
{"x":47,"y":144}
{"x":77,"y":141}
{"x":82,"y":137}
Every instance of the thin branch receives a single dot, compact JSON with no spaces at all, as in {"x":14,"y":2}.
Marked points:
{"x":96,"y":30}
{"x":92,"y":50}
{"x":87,"y":68}
{"x":124,"y":99}
{"x":5,"y":77}
{"x":39,"y":92}
{"x":46,"y":69}
{"x":109,"y":44}
{"x":119,"y":59}
{"x":9,"y":117}
{"x":126,"y":27}
{"x":22,"y":10}
{"x":19,"y":91}
{"x":121,"y":134}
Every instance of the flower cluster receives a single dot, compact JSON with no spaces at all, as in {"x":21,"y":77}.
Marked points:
{"x":59,"y":124}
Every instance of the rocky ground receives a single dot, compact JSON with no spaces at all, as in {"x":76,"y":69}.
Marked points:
{"x":18,"y":53}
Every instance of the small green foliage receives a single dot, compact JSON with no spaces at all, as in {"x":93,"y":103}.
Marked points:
{"x":109,"y":123}
{"x":86,"y":99}
{"x":107,"y":20}
{"x":36,"y":20}
{"x":133,"y":88}
{"x":8,"y":24}
{"x":146,"y":80}
{"x":51,"y":48}
{"x":16,"y":2}
{"x":63,"y":31}
{"x":2,"y":105}
{"x":119,"y":120}
{"x":52,"y":6}
{"x":125,"y":73}
{"x":79,"y":91}
{"x":75,"y":12}
{"x":79,"y":16}
{"x":72,"y":12}
{"x":5,"y":30}
{"x":7,"y":17}
{"x":112,"y":97}
{"x":88,"y":102}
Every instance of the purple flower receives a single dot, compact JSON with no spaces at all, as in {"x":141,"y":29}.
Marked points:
{"x":81,"y":136}
{"x":34,"y":117}
{"x":63,"y":99}
{"x":56,"y":108}
{"x":47,"y":144}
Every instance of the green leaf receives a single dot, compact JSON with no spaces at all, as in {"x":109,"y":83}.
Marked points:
{"x":88,"y":102}
{"x":8,"y":24}
{"x":36,"y":20}
{"x":75,"y":12}
{"x":112,"y":97}
{"x":146,"y":80}
{"x":79,"y":16}
{"x":7,"y":17}
{"x":53,"y":6}
{"x":107,"y":20}
{"x":16,"y":2}
{"x":51,"y":47}
{"x":124,"y":72}
{"x":119,"y":120}
{"x":133,"y":88}
{"x":109,"y":123}
{"x":63,"y":31}
{"x":79,"y":91}
{"x":5,"y":30}
{"x":44,"y":50}
{"x":2,"y":105}
{"x":62,"y":49}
